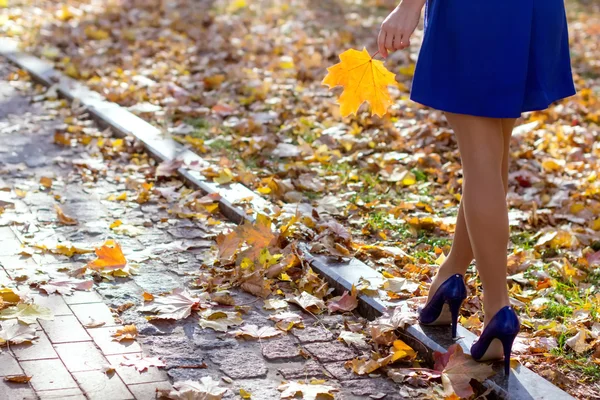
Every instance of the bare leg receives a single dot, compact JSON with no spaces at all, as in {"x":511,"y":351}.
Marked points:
{"x":461,"y":252}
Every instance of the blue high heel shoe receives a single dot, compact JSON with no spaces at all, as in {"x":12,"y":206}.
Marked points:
{"x":504,"y":327}
{"x":445,"y":304}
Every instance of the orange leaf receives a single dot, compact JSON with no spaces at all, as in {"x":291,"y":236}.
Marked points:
{"x":62,"y":218}
{"x":363,"y":79}
{"x":17,"y":378}
{"x":110,"y":257}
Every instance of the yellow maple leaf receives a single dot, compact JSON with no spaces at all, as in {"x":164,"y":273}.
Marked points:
{"x":363,"y":79}
{"x":110,"y":257}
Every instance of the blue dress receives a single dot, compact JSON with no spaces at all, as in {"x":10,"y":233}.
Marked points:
{"x":493,"y":58}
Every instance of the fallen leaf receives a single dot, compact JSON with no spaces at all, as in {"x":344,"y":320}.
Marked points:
{"x":254,"y":332}
{"x":353,"y":338}
{"x":578,"y":342}
{"x":178,"y":305}
{"x":147,"y":296}
{"x":363,"y":79}
{"x":275,"y":304}
{"x":17,"y":378}
{"x":62,"y":218}
{"x":110,"y":257}
{"x":128,"y":332}
{"x":402,"y":350}
{"x":206,"y":389}
{"x":362,"y":366}
{"x":142,"y":363}
{"x":244,"y":394}
{"x":46,"y":182}
{"x":92,"y":323}
{"x":27,"y":313}
{"x":15,"y":333}
{"x":309,"y":391}
{"x":169,"y":167}
{"x":346,"y":302}
{"x":309,"y":302}
{"x":220,"y":320}
{"x":66,"y":287}
{"x":458,"y":369}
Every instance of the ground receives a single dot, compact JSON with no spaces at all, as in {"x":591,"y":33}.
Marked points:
{"x":240,"y":83}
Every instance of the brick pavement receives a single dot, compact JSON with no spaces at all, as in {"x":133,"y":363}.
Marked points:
{"x":67,"y":359}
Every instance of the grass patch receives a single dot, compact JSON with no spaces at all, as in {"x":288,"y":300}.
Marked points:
{"x":554,"y":310}
{"x":524,"y":240}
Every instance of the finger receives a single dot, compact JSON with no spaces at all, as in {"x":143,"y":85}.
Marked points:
{"x":381,"y":43}
{"x":405,"y":42}
{"x":398,"y":39}
{"x":389,"y":41}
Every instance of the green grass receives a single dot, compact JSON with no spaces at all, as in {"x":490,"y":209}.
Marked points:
{"x":433,"y":241}
{"x":580,"y":363}
{"x":419,"y":175}
{"x":555,"y":310}
{"x":524,"y":240}
{"x":378,"y":220}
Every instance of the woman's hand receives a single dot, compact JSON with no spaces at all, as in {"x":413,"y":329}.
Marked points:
{"x":397,"y":28}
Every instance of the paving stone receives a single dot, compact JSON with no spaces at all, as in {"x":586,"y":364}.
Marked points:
{"x":5,"y":280}
{"x":96,"y":311}
{"x":103,"y":338}
{"x":11,"y":262}
{"x":80,"y":297}
{"x":8,"y":365}
{"x":54,"y":302}
{"x":206,"y":340}
{"x":368,"y":387}
{"x":259,"y":388}
{"x":155,"y":282}
{"x":42,"y":349}
{"x":146,"y":391}
{"x":6,"y":234}
{"x":16,"y":391}
{"x":339,"y":371}
{"x":10,"y":247}
{"x":100,"y":386}
{"x":66,"y":394}
{"x":281,"y":349}
{"x":330,"y":351}
{"x":81,"y":356}
{"x":311,"y":334}
{"x":304,"y":370}
{"x":239,"y":363}
{"x":48,"y":374}
{"x":65,"y":329}
{"x":130,"y":374}
{"x":175,"y":350}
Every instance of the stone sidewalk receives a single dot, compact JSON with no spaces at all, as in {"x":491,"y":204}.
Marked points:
{"x":67,"y":360}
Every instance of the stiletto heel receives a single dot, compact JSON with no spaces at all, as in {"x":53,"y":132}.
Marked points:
{"x":507,"y":347}
{"x":445,"y":304}
{"x":454,"y":309}
{"x":503,"y":327}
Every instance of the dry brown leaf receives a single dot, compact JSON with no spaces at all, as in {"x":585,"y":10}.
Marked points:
{"x":128,"y":332}
{"x":17,"y":378}
{"x":254,"y":332}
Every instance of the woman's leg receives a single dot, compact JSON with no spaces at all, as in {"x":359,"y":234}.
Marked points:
{"x":461,"y":253}
{"x":481,"y":142}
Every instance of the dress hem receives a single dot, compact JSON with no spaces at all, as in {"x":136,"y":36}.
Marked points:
{"x":493,"y":115}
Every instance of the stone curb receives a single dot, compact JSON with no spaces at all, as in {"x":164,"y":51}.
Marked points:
{"x":523,"y":384}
